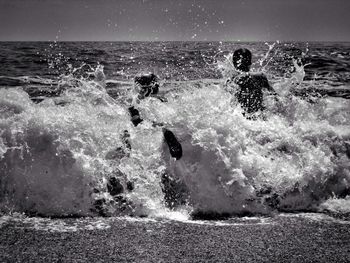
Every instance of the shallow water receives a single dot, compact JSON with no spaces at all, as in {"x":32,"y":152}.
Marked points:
{"x":53,"y":153}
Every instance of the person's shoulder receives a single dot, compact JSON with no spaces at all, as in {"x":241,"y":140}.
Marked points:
{"x":261,"y":78}
{"x":262,"y":82}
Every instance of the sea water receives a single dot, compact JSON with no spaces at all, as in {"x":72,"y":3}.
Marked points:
{"x":63,"y":108}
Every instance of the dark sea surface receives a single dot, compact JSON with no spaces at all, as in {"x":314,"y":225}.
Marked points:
{"x":173,"y":60}
{"x":63,"y":108}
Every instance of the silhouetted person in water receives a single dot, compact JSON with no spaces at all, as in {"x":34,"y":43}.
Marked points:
{"x":147,"y":85}
{"x":250,"y":86}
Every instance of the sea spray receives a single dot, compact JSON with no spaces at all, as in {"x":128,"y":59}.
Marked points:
{"x":53,"y":154}
{"x":287,"y":161}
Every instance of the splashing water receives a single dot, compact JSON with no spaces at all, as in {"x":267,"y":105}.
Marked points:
{"x":53,"y":154}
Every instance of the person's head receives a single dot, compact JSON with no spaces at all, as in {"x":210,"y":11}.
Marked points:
{"x":146,"y":85}
{"x":242,"y":59}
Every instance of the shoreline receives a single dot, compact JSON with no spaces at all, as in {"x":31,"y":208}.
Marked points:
{"x":285,"y":238}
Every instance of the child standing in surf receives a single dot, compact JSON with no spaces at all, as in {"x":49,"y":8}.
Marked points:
{"x":248,"y":88}
{"x":147,"y":85}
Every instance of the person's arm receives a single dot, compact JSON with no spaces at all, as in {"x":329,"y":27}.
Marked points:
{"x":135,"y":116}
{"x":174,"y":145}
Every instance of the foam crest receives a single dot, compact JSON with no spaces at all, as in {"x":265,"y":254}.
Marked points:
{"x":292,"y":160}
{"x":53,"y":153}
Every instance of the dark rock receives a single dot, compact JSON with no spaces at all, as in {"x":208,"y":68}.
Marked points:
{"x":114,"y":186}
{"x":99,"y":207}
{"x":273,"y":201}
{"x":130,"y":186}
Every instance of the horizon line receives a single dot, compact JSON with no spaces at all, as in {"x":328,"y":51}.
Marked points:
{"x":218,"y":41}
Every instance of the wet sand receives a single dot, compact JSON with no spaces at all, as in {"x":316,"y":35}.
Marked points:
{"x":279,"y":239}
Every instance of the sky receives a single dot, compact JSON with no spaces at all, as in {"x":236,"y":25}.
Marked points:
{"x":162,"y":20}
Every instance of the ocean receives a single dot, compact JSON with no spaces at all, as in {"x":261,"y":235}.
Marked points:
{"x":64,"y":108}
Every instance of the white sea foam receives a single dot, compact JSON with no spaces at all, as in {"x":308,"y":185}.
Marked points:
{"x":53,"y":154}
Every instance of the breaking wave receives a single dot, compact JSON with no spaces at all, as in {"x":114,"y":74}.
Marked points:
{"x":57,"y":157}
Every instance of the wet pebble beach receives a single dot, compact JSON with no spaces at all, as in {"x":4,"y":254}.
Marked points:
{"x":285,"y":238}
